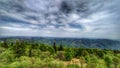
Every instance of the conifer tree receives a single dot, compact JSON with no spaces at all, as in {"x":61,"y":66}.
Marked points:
{"x":54,"y":46}
{"x":61,"y":47}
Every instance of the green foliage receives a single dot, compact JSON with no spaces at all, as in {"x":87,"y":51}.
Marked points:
{"x":71,"y":51}
{"x":79,"y":52}
{"x":93,"y":62}
{"x":61,"y":48}
{"x":108,"y":61}
{"x":42,"y":47}
{"x":51,"y":49}
{"x":2,"y":49}
{"x":116,"y":61}
{"x":100,"y":54}
{"x":87,"y":59}
{"x":5,"y":44}
{"x":23,"y":54}
{"x":55,"y":64}
{"x":94,"y":59}
{"x":34,"y":53}
{"x":61,"y":55}
{"x":7,"y":56}
{"x":54,"y":46}
{"x":68,"y":56}
{"x":19,"y":48}
{"x":91,"y":65}
{"x":44,"y":55}
{"x":23,"y":63}
{"x":73,"y":66}
{"x":84,"y":53}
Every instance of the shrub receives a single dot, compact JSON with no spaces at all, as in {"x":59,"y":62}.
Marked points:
{"x":73,"y":66}
{"x":60,"y":55}
{"x":55,"y":64}
{"x":87,"y":59}
{"x":44,"y":55}
{"x":91,"y":65}
{"x":7,"y":56}
{"x":68,"y":56}
{"x":85,"y":53}
{"x":93,"y":62}
{"x":116,"y":61}
{"x":108,"y":61}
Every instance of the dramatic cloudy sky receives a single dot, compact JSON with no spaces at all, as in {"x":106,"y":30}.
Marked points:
{"x":60,"y":18}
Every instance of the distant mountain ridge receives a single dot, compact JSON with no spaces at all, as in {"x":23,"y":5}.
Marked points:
{"x":73,"y":42}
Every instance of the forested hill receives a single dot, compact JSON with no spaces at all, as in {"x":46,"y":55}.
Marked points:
{"x":72,"y":42}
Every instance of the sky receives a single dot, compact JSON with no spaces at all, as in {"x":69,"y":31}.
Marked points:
{"x":60,"y":18}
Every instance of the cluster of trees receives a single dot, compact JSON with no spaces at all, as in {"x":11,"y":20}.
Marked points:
{"x":89,"y":58}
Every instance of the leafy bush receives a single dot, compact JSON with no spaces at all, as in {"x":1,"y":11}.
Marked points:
{"x":61,"y":55}
{"x":108,"y":61}
{"x":73,"y":66}
{"x":91,"y":65}
{"x":7,"y":56}
{"x":116,"y":61}
{"x":68,"y":56}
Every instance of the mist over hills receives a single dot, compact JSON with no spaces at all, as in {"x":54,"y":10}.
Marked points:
{"x":71,"y":42}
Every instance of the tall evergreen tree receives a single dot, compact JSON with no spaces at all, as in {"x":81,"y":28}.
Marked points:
{"x":61,"y":47}
{"x":30,"y":52}
{"x":54,"y":46}
{"x":5,"y":45}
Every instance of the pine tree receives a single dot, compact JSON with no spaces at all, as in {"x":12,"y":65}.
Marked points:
{"x":54,"y":46}
{"x":61,"y":47}
{"x":5,"y":45}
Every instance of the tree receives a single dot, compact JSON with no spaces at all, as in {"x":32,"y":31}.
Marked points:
{"x":85,"y":53}
{"x":108,"y":61}
{"x":42,"y":47}
{"x":87,"y":59}
{"x":93,"y":62}
{"x":79,"y":51}
{"x":19,"y":48}
{"x":35,"y":46}
{"x":51,"y":49}
{"x":5,"y":45}
{"x":61,"y":47}
{"x":61,"y":55}
{"x":116,"y":62}
{"x":54,"y":46}
{"x":30,"y":52}
{"x":100,"y":54}
{"x":68,"y":56}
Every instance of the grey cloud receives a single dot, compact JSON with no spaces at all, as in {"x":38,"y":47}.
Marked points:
{"x":84,"y":17}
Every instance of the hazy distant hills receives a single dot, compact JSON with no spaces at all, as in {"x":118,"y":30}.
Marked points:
{"x":73,"y":42}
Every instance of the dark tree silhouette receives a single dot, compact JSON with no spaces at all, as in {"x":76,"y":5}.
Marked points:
{"x":30,"y":52}
{"x":54,"y":46}
{"x":61,"y":47}
{"x":5,"y":45}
